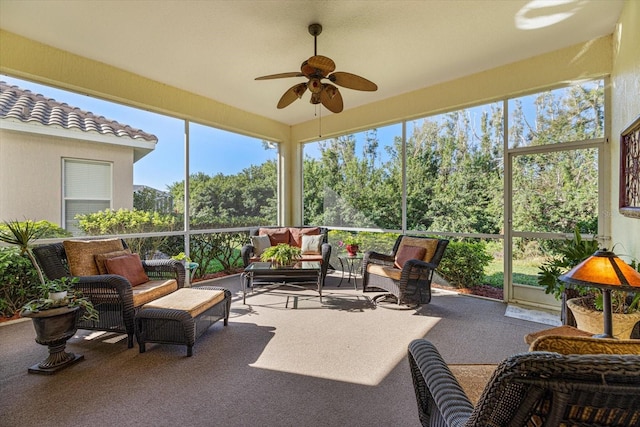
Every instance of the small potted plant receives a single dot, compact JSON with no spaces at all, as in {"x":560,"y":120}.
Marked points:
{"x":351,"y":243}
{"x":59,"y":293}
{"x":281,"y":254}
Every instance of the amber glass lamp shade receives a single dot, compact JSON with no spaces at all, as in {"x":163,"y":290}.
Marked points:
{"x":606,"y":271}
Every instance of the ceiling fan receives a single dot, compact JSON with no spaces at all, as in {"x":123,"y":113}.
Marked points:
{"x":316,"y":69}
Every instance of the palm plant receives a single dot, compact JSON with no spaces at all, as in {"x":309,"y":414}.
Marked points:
{"x":22,"y":234}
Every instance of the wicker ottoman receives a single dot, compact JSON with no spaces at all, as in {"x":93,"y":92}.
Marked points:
{"x":182,"y":316}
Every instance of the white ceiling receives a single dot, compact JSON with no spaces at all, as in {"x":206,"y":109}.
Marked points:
{"x":216,"y":48}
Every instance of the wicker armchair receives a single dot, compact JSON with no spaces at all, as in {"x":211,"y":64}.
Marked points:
{"x":409,"y":285}
{"x":536,"y":388}
{"x":111,"y":295}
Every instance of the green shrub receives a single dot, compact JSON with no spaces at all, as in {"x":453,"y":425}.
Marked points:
{"x":127,"y":221}
{"x":463,"y":263}
{"x":19,"y":282}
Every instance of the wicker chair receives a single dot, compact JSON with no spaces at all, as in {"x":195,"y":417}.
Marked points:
{"x":536,"y":388}
{"x":110,"y":294}
{"x":410,"y":285}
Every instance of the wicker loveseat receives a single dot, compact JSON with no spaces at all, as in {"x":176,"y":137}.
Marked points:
{"x":294,"y":237}
{"x":535,"y":388}
{"x":407,"y":272}
{"x":113,"y":295}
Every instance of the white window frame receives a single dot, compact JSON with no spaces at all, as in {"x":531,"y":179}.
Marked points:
{"x":100,"y":198}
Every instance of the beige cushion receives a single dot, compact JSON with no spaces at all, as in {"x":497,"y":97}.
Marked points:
{"x":260,"y":244}
{"x":311,"y":244}
{"x":296,"y":234}
{"x":430,"y":245}
{"x":152,"y":290}
{"x":406,"y":252}
{"x":129,"y":267}
{"x":100,"y":258}
{"x":585,"y":345}
{"x":193,"y":301}
{"x":390,"y":272}
{"x":81,"y":254}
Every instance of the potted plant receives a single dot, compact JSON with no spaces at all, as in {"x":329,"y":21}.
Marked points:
{"x":55,"y":316}
{"x":570,"y":253}
{"x":585,"y":303}
{"x":281,"y":254}
{"x":351,"y":243}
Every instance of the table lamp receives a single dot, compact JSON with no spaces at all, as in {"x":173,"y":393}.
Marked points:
{"x":606,"y":271}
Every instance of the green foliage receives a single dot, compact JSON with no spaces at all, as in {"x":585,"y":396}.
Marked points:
{"x":282,"y":254}
{"x":74,"y":298}
{"x":463,"y":263}
{"x":571,"y":253}
{"x":18,"y":281}
{"x":126,"y":221}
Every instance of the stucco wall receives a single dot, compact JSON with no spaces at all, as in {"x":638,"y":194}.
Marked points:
{"x":31,"y":173}
{"x":625,"y":95}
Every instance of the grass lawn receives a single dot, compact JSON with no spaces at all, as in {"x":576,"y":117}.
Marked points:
{"x":525,"y":272}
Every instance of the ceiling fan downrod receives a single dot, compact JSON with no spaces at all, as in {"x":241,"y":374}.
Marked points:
{"x":315,"y":30}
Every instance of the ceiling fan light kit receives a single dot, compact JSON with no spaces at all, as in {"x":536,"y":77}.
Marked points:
{"x":316,"y":69}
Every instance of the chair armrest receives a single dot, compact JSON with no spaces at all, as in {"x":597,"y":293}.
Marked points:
{"x":417,"y":264}
{"x":106,"y":288}
{"x":159,"y":269}
{"x":435,"y":386}
{"x":371,"y":257}
{"x":246,"y":252}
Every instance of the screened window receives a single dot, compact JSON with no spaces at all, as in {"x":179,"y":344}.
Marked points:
{"x":86,"y":189}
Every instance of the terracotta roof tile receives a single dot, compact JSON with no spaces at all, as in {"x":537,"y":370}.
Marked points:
{"x":26,"y":106}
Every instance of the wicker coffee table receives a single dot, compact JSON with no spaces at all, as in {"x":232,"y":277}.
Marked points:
{"x":266,"y":273}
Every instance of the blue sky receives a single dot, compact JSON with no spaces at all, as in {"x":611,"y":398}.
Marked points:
{"x":213,"y":151}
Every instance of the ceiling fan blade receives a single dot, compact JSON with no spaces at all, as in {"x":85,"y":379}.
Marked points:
{"x":322,"y":63}
{"x":293,"y":93}
{"x":331,"y":98}
{"x":281,"y":75}
{"x":352,"y":81}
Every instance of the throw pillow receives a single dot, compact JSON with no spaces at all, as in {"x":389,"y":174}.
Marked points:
{"x":129,"y":267}
{"x":100,"y":258}
{"x":296,"y":234}
{"x":276,"y":235}
{"x":260,"y":244}
{"x":311,"y":244}
{"x":406,"y":252}
{"x":81,"y":253}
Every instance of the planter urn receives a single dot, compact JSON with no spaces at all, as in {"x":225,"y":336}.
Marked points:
{"x":53,"y":328}
{"x":591,"y":320}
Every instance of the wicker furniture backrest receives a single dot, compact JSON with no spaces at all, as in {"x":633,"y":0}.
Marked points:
{"x":531,"y":389}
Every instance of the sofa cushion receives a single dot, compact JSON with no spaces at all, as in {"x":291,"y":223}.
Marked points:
{"x":311,"y":245}
{"x":81,"y":253}
{"x":296,"y":234}
{"x":129,"y":267}
{"x":392,"y":273}
{"x":406,"y":252}
{"x":192,"y":300}
{"x":429,"y":244}
{"x":152,"y":290}
{"x":276,"y":235}
{"x":260,"y":243}
{"x":100,"y":259}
